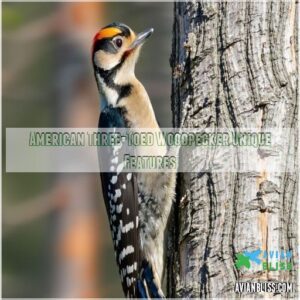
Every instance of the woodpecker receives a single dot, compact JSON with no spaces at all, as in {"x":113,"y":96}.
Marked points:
{"x":138,"y":204}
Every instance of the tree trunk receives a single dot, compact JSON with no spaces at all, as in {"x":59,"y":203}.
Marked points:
{"x":234,"y":66}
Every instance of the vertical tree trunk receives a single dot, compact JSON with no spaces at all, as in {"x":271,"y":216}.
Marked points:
{"x":234,"y":66}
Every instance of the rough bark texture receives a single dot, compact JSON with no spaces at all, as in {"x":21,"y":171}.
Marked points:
{"x":234,"y":66}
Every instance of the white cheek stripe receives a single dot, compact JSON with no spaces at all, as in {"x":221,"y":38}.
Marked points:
{"x":111,"y":95}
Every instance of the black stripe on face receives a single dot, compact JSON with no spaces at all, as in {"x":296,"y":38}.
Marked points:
{"x":109,"y":76}
{"x":105,"y":45}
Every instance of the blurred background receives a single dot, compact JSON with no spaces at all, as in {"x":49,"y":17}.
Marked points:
{"x":55,"y":239}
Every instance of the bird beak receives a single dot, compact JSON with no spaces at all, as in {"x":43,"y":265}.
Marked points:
{"x":141,"y":38}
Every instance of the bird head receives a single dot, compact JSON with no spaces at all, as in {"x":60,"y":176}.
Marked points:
{"x":115,"y":51}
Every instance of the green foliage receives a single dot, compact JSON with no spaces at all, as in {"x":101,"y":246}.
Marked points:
{"x":11,"y":17}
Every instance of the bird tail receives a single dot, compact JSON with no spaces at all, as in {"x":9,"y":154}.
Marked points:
{"x":149,"y":284}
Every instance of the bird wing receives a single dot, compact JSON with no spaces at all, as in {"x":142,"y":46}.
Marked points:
{"x":120,"y":192}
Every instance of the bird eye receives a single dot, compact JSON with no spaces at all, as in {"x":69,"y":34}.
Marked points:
{"x":118,"y":42}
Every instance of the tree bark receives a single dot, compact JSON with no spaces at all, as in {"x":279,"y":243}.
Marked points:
{"x":234,"y":66}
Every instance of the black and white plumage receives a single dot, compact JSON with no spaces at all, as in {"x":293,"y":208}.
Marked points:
{"x":138,"y":204}
{"x":118,"y":189}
